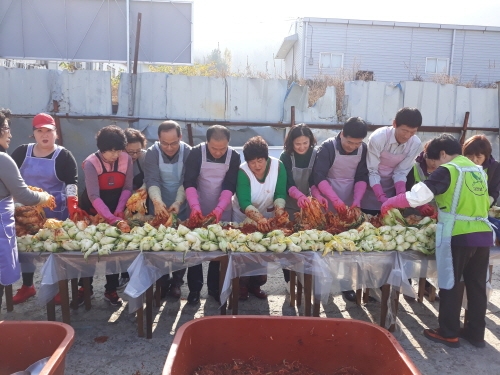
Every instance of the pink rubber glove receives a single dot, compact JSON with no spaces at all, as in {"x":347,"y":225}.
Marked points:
{"x":427,"y":210}
{"x":120,"y":207}
{"x":359,"y":191}
{"x":104,"y":211}
{"x":194,"y":203}
{"x":224,"y":201}
{"x":296,"y":194}
{"x":316,"y":194}
{"x":399,"y":201}
{"x":379,"y":193}
{"x":400,"y":187}
{"x":326,"y":189}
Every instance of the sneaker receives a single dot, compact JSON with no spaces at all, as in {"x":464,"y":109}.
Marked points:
{"x":113,"y":298}
{"x":23,"y":294}
{"x":81,"y":298}
{"x":435,"y":335}
{"x":123,"y":283}
{"x":464,"y":334}
{"x":57,"y":299}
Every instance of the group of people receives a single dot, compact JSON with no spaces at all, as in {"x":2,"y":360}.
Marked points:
{"x":457,"y":183}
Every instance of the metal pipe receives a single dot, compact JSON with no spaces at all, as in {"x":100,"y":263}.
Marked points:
{"x":128,"y":34}
{"x":304,"y":53}
{"x":450,"y":72}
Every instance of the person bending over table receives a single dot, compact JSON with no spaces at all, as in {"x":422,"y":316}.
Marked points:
{"x":108,"y":185}
{"x":463,"y":238}
{"x":260,"y":194}
{"x":210,"y":182}
{"x":52,"y":168}
{"x":340,"y":171}
{"x":165,"y":169}
{"x":12,"y":186}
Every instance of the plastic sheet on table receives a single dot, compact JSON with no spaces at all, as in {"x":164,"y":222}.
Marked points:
{"x":150,"y":266}
{"x":254,"y":264}
{"x":72,"y":265}
{"x":30,"y":261}
{"x":417,"y":264}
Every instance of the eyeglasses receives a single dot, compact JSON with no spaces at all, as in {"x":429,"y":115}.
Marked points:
{"x":131,"y":153}
{"x":170,"y":145}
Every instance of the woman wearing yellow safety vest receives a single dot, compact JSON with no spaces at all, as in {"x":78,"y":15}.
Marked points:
{"x":463,"y":238}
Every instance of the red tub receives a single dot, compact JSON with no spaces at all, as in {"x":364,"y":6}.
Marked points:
{"x":322,"y":344}
{"x":22,"y":343}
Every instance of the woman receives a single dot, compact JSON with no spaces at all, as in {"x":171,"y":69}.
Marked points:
{"x":260,"y":194}
{"x":12,"y":186}
{"x":108,"y":185}
{"x":136,"y":144}
{"x":298,"y":158}
{"x":51,"y":167}
{"x":478,"y":149}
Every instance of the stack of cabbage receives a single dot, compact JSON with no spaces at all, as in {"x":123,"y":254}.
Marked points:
{"x":103,"y":239}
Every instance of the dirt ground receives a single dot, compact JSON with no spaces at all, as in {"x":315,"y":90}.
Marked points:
{"x":125,"y":353}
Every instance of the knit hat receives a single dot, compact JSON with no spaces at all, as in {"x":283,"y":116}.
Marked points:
{"x":43,"y":120}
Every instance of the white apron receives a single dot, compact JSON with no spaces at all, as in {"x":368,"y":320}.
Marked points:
{"x":341,"y":175}
{"x":262,"y":193}
{"x":301,"y":179}
{"x":210,"y":183}
{"x":388,"y":162}
{"x":444,"y":230}
{"x":171,"y":179}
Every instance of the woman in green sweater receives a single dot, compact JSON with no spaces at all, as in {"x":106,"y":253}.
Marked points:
{"x":260,"y":194}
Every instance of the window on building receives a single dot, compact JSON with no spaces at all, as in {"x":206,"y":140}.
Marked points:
{"x":436,"y":65}
{"x":328,"y":60}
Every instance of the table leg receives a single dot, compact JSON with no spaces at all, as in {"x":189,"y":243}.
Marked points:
{"x":86,"y":293}
{"x":421,"y":289}
{"x":74,"y":294}
{"x":140,"y":321}
{"x":432,"y":294}
{"x":8,"y":298}
{"x":316,"y":307}
{"x":359,"y":293}
{"x":158,"y":293}
{"x":293,"y":278}
{"x":366,"y":295}
{"x":307,"y":294}
{"x":298,"y":298}
{"x":395,"y":306}
{"x":386,"y":290}
{"x":236,"y":295}
{"x":223,"y":263}
{"x":149,"y":312}
{"x":63,"y":292}
{"x":51,"y":311}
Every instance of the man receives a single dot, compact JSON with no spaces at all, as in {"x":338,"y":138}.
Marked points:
{"x":164,"y":168}
{"x":463,"y":238}
{"x":391,"y":154}
{"x":210,"y":182}
{"x":340,"y":170}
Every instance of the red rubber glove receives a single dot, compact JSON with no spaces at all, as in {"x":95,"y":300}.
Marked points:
{"x":399,"y":201}
{"x":427,"y":210}
{"x":379,"y":193}
{"x":326,"y":189}
{"x":217,"y":212}
{"x":400,"y":187}
{"x":321,"y":199}
{"x":301,"y":199}
{"x":72,"y":203}
{"x":359,"y":192}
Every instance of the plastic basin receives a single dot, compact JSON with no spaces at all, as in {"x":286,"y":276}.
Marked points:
{"x":322,"y":344}
{"x":25,"y":342}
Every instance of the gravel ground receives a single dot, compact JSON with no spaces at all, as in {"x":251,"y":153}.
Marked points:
{"x":125,"y":353}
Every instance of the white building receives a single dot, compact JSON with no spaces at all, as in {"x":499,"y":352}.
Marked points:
{"x":392,"y":51}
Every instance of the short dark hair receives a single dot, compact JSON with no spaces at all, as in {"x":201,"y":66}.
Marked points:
{"x":408,"y":116}
{"x":295,"y":132}
{"x":355,"y":127}
{"x":110,"y":138}
{"x":134,"y":135}
{"x":218,"y":132}
{"x":477,"y":145}
{"x":444,"y":142}
{"x":255,"y":148}
{"x":168,"y":125}
{"x":4,"y":115}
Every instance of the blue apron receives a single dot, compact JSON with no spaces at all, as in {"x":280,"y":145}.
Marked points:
{"x":9,"y":262}
{"x":41,"y":172}
{"x":171,"y":179}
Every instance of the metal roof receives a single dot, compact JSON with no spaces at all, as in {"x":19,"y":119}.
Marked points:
{"x":286,"y":45}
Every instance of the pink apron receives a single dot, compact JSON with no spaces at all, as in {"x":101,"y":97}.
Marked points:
{"x":388,"y":162}
{"x":210,"y":183}
{"x":341,"y":175}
